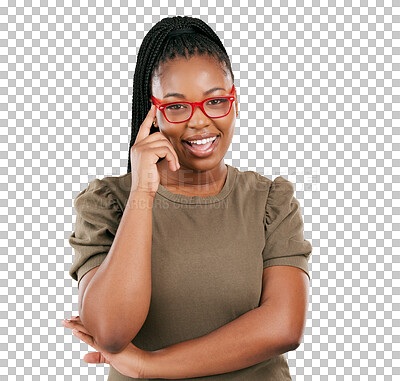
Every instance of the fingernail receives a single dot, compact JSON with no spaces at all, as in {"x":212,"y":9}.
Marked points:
{"x":67,"y":320}
{"x":74,"y":331}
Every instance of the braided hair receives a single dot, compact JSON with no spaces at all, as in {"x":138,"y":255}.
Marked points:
{"x":158,"y":47}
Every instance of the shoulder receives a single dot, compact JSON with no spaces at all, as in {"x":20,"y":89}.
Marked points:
{"x":280,"y":189}
{"x":256,"y":181}
{"x":118,"y":184}
{"x":281,"y":200}
{"x":108,"y":190}
{"x":252,"y":181}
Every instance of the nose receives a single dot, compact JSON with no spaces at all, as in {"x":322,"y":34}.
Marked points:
{"x":198,"y":117}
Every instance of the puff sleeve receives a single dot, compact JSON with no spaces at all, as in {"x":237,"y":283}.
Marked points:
{"x":97,"y":220}
{"x":284,"y":236}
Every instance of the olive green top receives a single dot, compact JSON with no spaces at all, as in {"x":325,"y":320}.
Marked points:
{"x":207,"y":255}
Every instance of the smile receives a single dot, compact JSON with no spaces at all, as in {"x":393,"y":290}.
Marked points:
{"x":202,"y":150}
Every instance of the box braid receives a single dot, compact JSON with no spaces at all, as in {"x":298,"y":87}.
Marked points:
{"x":158,"y":47}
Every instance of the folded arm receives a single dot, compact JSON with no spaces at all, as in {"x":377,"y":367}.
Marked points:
{"x":275,"y":327}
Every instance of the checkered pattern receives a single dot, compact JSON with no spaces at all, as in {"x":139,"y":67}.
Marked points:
{"x":318,"y":89}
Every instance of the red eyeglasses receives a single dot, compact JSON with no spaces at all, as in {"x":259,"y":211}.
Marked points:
{"x":178,"y":112}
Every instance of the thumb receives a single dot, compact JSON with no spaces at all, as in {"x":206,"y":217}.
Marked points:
{"x":95,"y":358}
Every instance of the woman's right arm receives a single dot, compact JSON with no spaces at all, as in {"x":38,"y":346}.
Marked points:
{"x":114,"y":299}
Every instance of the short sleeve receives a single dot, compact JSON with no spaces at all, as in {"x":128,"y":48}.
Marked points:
{"x":97,"y":219}
{"x":284,"y":235}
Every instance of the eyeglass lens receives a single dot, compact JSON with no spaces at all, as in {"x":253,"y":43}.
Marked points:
{"x":178,"y":112}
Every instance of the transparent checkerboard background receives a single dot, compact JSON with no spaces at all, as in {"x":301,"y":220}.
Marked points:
{"x":318,"y":87}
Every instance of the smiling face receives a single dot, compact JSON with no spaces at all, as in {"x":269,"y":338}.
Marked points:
{"x":189,"y":80}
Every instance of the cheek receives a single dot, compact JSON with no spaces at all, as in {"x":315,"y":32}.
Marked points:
{"x":228,"y":127}
{"x":173,"y":136}
{"x":167,"y":131}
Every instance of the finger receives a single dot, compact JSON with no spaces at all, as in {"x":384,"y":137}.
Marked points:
{"x":177,"y":165}
{"x":163,"y":150}
{"x":95,"y":358}
{"x":172,"y":158}
{"x":173,"y":150}
{"x":75,"y":324}
{"x":86,"y":338}
{"x":144,"y":129}
{"x":73,"y":319}
{"x":158,"y":136}
{"x":70,"y":323}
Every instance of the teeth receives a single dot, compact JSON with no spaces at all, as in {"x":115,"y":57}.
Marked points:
{"x":204,"y":141}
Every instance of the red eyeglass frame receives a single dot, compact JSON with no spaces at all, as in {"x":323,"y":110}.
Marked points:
{"x":161,"y":106}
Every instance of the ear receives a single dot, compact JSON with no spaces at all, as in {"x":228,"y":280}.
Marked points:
{"x":155,"y":118}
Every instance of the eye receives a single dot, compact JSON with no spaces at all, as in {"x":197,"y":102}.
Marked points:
{"x":216,"y":101}
{"x":176,"y":107}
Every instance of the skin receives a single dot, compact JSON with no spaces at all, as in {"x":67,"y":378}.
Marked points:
{"x":277,"y":325}
{"x":196,"y":176}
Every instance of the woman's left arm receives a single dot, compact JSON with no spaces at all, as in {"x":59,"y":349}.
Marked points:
{"x":273,"y":328}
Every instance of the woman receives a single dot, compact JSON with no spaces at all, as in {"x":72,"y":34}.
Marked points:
{"x":187,"y":267}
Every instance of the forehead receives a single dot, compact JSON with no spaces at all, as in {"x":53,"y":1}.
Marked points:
{"x":190,"y":77}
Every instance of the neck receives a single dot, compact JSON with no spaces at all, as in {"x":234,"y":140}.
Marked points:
{"x":196,"y":181}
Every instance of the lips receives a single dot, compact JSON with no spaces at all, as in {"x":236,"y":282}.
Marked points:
{"x":200,"y":137}
{"x":194,"y":149}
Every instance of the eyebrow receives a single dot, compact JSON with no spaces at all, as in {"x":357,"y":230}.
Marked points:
{"x":179,"y":95}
